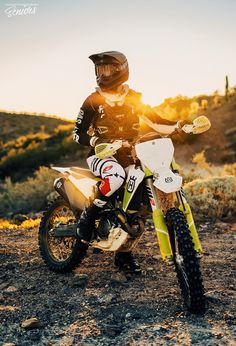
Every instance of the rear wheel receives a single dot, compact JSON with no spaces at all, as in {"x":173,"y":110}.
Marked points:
{"x":185,"y":260}
{"x":60,"y":254}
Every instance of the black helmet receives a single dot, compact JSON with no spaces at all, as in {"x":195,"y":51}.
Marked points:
{"x":111,"y":69}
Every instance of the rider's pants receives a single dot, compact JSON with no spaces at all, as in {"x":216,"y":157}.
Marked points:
{"x":112,"y":173}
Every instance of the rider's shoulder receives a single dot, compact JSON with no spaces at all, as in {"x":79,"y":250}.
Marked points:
{"x":93,"y":100}
{"x":134,"y":93}
{"x":134,"y":96}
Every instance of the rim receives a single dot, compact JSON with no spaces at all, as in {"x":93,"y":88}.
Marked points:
{"x":60,"y":249}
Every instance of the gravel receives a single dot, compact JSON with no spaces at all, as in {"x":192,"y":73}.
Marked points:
{"x":96,"y":305}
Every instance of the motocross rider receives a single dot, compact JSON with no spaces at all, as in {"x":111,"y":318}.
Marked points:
{"x":108,"y":114}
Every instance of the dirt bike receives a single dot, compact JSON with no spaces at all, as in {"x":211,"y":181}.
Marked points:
{"x":155,"y":175}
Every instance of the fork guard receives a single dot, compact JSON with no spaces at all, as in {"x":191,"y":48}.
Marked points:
{"x":193,"y":231}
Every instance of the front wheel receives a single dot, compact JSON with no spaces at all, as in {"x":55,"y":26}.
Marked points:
{"x":185,"y":260}
{"x":62,"y":254}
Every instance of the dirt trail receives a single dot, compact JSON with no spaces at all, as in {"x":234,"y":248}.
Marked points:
{"x":110,"y":309}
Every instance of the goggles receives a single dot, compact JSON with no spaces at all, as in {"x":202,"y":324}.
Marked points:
{"x":108,"y":69}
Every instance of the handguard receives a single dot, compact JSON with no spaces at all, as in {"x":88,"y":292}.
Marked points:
{"x":107,"y":149}
{"x":200,"y":124}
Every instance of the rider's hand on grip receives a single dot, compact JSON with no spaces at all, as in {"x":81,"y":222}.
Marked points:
{"x":126,"y":144}
{"x":181,"y":123}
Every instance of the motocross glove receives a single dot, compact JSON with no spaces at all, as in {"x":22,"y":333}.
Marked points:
{"x":181,"y":123}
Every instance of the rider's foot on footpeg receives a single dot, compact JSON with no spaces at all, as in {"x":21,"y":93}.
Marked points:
{"x":126,"y":262}
{"x":96,"y":251}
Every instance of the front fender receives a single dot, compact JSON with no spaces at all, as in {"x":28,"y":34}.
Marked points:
{"x":167,"y":181}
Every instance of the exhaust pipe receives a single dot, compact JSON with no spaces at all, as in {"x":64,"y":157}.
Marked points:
{"x":59,"y":186}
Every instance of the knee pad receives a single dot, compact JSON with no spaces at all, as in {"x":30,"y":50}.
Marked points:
{"x":113,"y":175}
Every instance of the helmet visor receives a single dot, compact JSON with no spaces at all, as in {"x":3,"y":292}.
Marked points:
{"x":106,"y":69}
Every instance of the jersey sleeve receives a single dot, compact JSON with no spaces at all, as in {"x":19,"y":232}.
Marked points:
{"x":152,"y":115}
{"x":148,"y":111}
{"x":83,"y":122}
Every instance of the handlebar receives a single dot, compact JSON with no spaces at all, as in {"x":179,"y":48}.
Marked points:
{"x":199,"y":125}
{"x":146,"y":137}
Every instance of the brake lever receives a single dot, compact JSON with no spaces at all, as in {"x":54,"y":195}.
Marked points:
{"x":188,"y":128}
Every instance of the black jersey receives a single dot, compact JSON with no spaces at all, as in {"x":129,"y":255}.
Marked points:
{"x":111,"y":121}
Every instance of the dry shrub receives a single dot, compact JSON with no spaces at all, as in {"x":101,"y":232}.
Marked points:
{"x":189,"y":175}
{"x":204,"y":104}
{"x":31,"y":223}
{"x":64,"y":128}
{"x":29,"y":195}
{"x":229,"y":169}
{"x":200,"y":160}
{"x":212,"y":198}
{"x":194,"y":108}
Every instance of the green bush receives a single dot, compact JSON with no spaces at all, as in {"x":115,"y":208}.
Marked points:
{"x":19,"y":158}
{"x":212,"y":198}
{"x":29,"y":195}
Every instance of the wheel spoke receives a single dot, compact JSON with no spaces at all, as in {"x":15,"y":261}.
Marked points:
{"x":60,"y":248}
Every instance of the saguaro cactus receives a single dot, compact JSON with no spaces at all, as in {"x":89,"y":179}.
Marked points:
{"x":226,"y":88}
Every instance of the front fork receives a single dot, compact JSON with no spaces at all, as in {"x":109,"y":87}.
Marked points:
{"x":160,"y":224}
{"x":185,"y":208}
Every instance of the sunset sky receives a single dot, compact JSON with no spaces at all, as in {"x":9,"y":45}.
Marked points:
{"x":173,"y":47}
